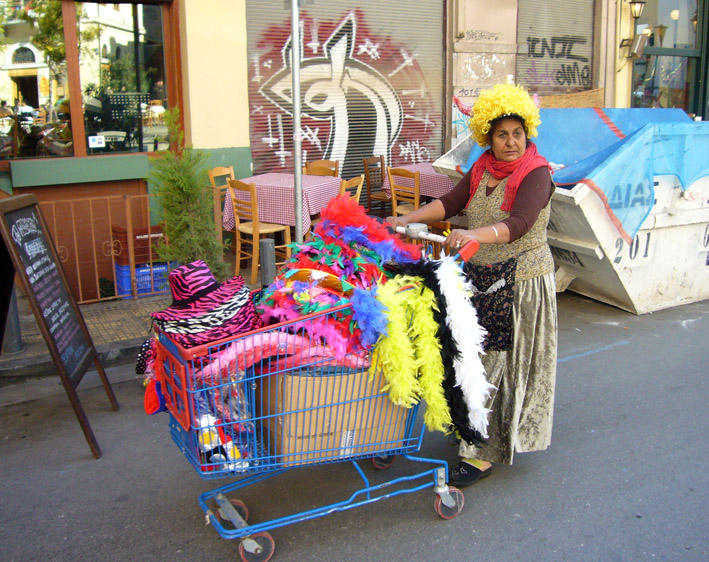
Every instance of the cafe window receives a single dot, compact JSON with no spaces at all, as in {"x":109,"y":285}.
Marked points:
{"x":665,"y":75}
{"x":122,"y":79}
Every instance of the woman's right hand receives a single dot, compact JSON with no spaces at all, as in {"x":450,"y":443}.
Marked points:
{"x":397,"y":221}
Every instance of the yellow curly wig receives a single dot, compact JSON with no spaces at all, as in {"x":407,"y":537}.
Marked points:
{"x":503,"y":99}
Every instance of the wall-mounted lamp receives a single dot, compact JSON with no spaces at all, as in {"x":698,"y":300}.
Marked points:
{"x":694,"y":22}
{"x":635,"y":42}
{"x":636,"y":9}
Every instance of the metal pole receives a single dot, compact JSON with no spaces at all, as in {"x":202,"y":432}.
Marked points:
{"x":267,"y":251}
{"x":12,"y":341}
{"x":297,"y":151}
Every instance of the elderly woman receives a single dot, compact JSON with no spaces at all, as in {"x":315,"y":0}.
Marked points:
{"x":506,"y":197}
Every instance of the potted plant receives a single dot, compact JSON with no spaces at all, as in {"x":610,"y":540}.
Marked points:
{"x":180,"y":176}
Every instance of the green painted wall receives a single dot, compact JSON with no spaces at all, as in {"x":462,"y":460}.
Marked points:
{"x":62,"y":171}
{"x":239,"y":157}
{"x":5,"y":183}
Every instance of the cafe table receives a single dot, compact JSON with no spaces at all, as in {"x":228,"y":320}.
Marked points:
{"x":276,"y":198}
{"x":432,"y":183}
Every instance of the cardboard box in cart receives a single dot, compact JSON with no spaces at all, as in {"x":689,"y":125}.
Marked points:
{"x":313,"y":418}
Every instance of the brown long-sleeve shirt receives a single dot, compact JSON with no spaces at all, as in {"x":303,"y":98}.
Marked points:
{"x":532,"y":196}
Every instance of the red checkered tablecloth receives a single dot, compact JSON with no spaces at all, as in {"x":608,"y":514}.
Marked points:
{"x":276,"y":199}
{"x":433,"y":184}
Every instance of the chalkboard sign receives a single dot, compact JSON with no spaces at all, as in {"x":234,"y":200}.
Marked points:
{"x":29,"y":251}
{"x":46,"y":283}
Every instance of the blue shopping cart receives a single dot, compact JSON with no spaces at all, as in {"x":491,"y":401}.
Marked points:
{"x":259,"y":404}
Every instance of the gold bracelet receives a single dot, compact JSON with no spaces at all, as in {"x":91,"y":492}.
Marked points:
{"x":497,"y":234}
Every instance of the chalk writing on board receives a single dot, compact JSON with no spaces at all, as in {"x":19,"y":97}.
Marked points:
{"x":50,"y":292}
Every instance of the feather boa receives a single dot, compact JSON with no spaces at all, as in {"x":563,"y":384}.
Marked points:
{"x":244,"y":352}
{"x":369,"y":316}
{"x":426,"y":270}
{"x":345,"y":219}
{"x":463,"y":323}
{"x":410,"y":355}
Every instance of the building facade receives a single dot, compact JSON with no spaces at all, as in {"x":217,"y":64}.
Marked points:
{"x":392,"y":77}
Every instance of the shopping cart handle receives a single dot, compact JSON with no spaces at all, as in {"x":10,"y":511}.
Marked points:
{"x":420,"y":231}
{"x":469,"y":250}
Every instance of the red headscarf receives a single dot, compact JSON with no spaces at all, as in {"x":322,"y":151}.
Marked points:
{"x":516,"y":170}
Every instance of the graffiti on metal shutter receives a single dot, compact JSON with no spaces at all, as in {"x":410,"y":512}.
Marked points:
{"x":361,"y":95}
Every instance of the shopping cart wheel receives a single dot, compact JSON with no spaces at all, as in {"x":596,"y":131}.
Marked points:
{"x":449,"y":512}
{"x":264,"y":545}
{"x":241,"y":509}
{"x":383,"y":462}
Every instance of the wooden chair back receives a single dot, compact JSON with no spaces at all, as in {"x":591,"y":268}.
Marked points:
{"x":249,"y":229}
{"x":221,"y":175}
{"x":41,"y":118}
{"x":406,"y":194}
{"x":352,"y":187}
{"x":245,"y":207}
{"x":374,"y":173}
{"x":322,"y":168}
{"x":218,"y":179}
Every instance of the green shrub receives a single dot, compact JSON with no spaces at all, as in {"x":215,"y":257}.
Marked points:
{"x":185,"y":197}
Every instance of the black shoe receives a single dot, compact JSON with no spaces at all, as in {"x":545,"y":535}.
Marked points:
{"x":465,"y":474}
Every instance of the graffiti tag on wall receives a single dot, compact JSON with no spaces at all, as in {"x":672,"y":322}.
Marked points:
{"x":361,"y":95}
{"x":556,"y":61}
{"x":480,"y":35}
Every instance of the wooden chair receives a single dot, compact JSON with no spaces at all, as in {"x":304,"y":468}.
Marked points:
{"x":374,"y":170}
{"x":352,"y":187}
{"x":249,"y":229}
{"x":41,"y":118}
{"x":404,"y":198}
{"x":322,"y":168}
{"x":218,"y":179}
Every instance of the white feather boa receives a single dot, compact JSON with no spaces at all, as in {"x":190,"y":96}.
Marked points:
{"x":462,"y":319}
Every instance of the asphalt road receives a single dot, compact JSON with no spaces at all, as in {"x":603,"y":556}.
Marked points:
{"x":625,"y":478}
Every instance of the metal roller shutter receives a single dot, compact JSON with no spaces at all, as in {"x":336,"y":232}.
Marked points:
{"x":559,"y":39}
{"x":372,"y":82}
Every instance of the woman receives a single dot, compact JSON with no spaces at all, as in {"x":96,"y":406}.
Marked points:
{"x":506,"y":197}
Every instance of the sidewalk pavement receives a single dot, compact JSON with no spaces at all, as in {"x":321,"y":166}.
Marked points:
{"x":118,"y":328}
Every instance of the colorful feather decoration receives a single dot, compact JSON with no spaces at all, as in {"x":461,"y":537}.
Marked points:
{"x":410,"y":354}
{"x":465,"y":329}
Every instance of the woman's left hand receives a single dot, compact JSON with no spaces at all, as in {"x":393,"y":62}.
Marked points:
{"x":459,"y":238}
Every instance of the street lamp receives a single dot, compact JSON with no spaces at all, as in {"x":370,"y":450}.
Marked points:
{"x":660,"y":32}
{"x":674,"y":15}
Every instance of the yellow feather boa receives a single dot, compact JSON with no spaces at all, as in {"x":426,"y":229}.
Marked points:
{"x":410,"y":354}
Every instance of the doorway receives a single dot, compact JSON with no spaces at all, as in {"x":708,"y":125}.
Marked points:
{"x":27,"y":90}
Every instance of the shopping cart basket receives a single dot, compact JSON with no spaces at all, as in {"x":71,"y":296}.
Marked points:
{"x":256,"y":405}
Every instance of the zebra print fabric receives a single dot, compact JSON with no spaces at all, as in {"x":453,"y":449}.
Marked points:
{"x":203,"y":310}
